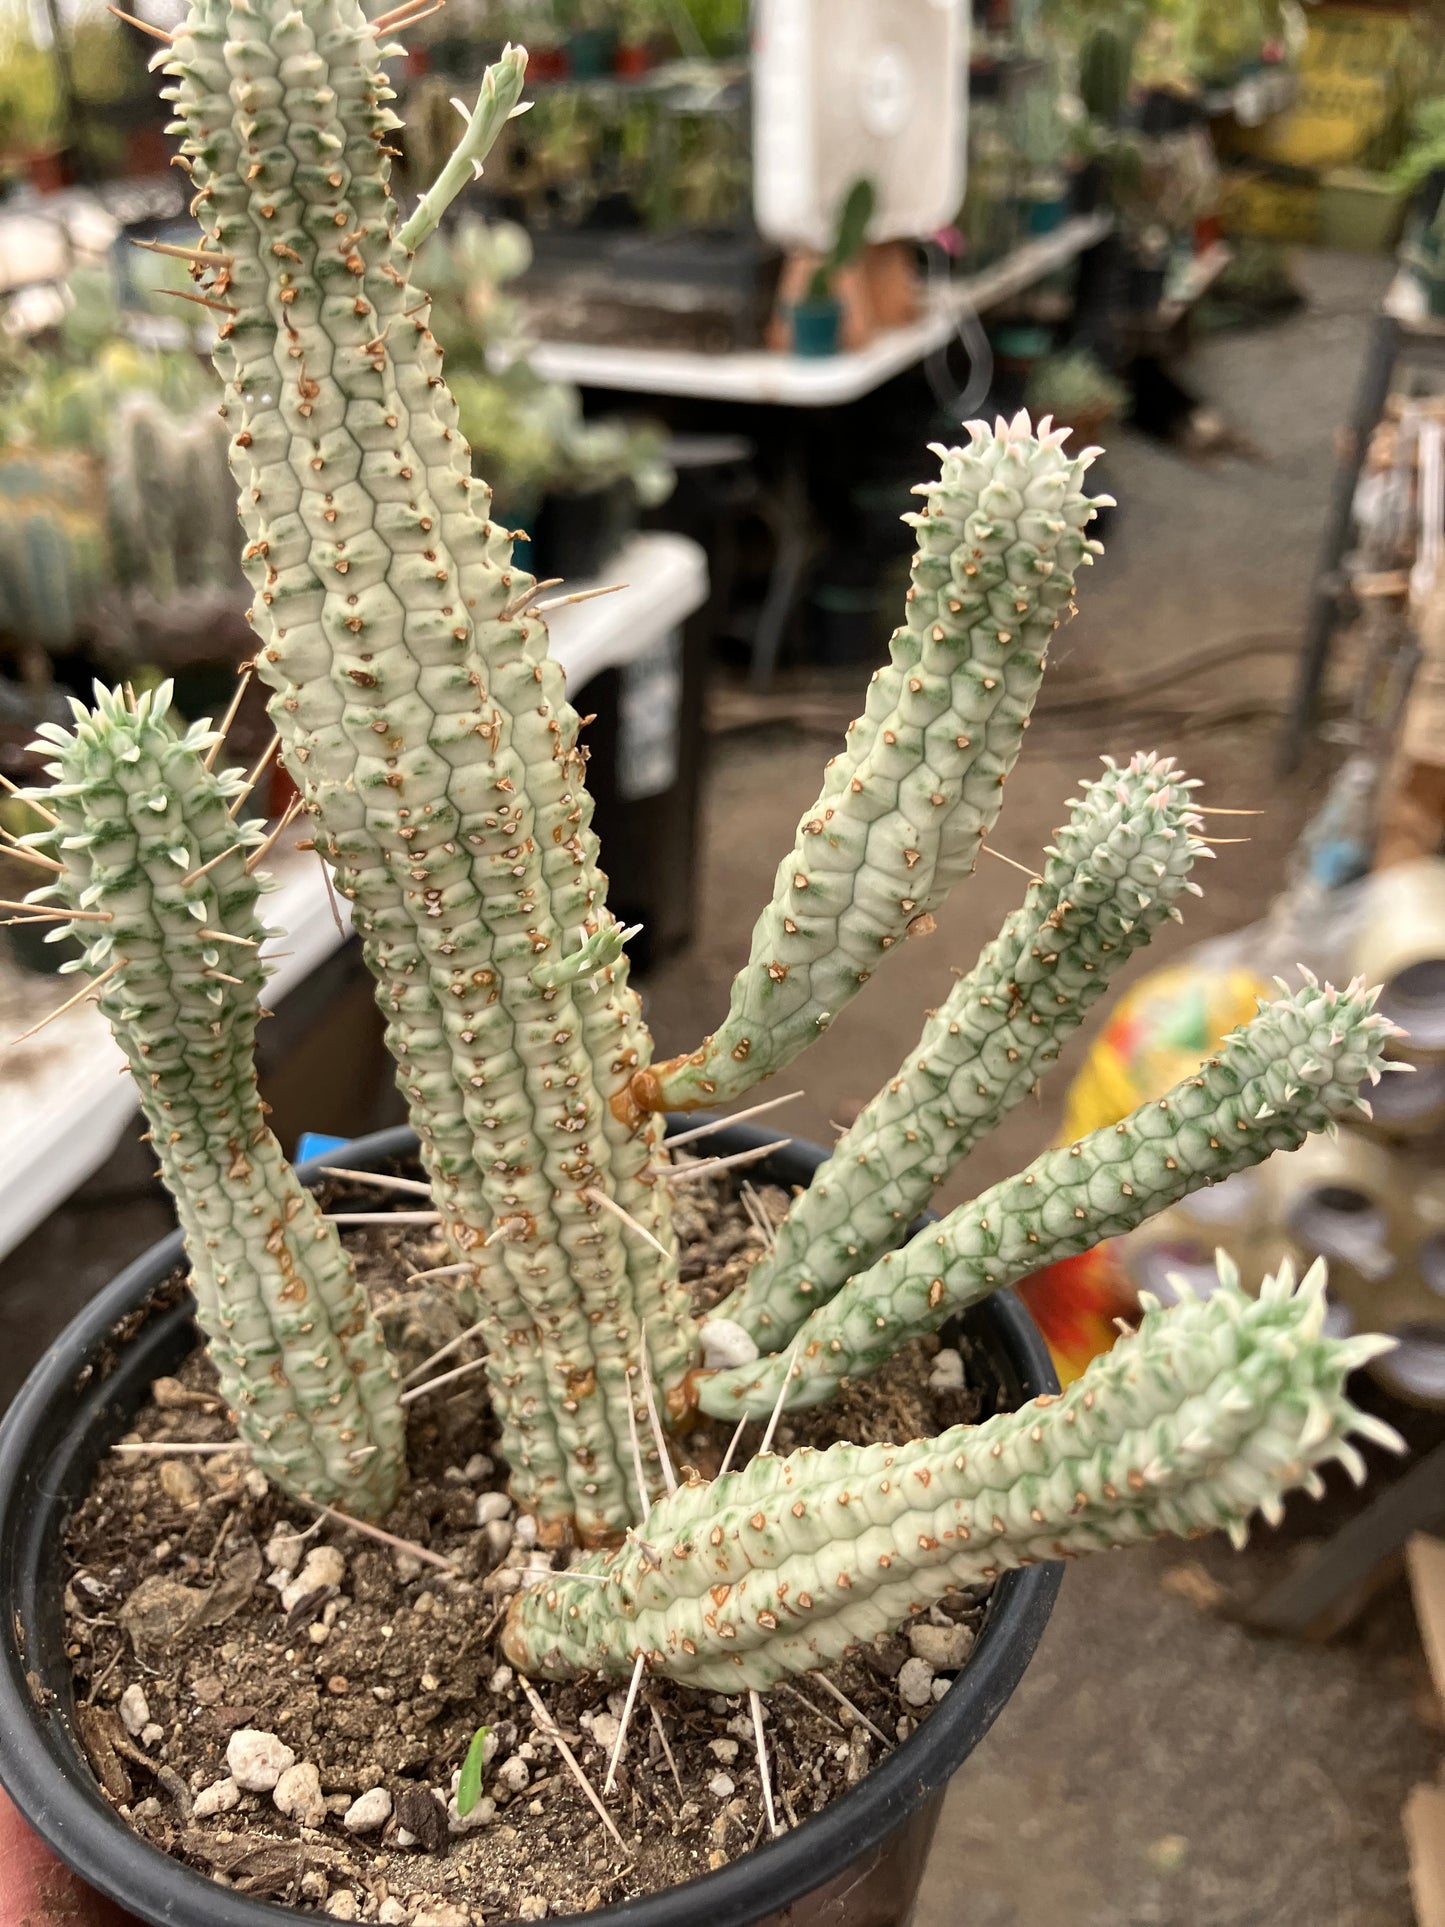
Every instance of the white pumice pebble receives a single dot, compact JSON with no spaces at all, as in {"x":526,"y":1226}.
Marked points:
{"x":525,"y":1530}
{"x":493,"y":1505}
{"x":946,"y":1372}
{"x":514,"y":1774}
{"x":723,"y":1751}
{"x":501,"y":1680}
{"x":391,"y":1913}
{"x":151,"y":1735}
{"x":134,"y":1709}
{"x":605,"y":1728}
{"x":725,"y":1344}
{"x":481,"y":1815}
{"x":945,"y":1648}
{"x":722,"y":1786}
{"x":285,"y":1548}
{"x":368,"y":1811}
{"x":257,"y":1759}
{"x":915,"y":1682}
{"x":323,"y":1566}
{"x":478,"y":1466}
{"x":498,"y":1535}
{"x":221,"y":1796}
{"x":297,"y":1794}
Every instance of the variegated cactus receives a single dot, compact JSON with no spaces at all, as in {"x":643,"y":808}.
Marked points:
{"x":431,"y":737}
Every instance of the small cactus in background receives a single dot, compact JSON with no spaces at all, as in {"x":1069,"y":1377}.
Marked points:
{"x":171,"y":503}
{"x":436,"y":752}
{"x":53,"y":552}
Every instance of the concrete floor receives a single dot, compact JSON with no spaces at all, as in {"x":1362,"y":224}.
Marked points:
{"x":1160,"y":1766}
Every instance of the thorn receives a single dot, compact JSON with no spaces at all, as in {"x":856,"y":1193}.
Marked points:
{"x":230,"y":716}
{"x":164,"y":1448}
{"x":434,"y":1384}
{"x":843,"y":1700}
{"x":26,"y":855}
{"x":383,"y":1217}
{"x":263,"y":849}
{"x":723,"y":1123}
{"x":1199,"y":810}
{"x":375,"y":1532}
{"x":255,"y":776}
{"x":397,"y":16}
{"x":156,"y":33}
{"x":220,"y":977}
{"x":383,"y":1180}
{"x":331,"y":896}
{"x":1219,"y":842}
{"x":581,"y":595}
{"x":733,"y":1443}
{"x":510,"y":610}
{"x":548,"y":1727}
{"x":201,"y":300}
{"x":80,"y":916}
{"x":29,"y":801}
{"x":186,"y":254}
{"x":599,"y":1197}
{"x":989,"y":850}
{"x":767,"y":1444}
{"x":192,"y":876}
{"x":707,"y":1167}
{"x":666,"y":1749}
{"x":91,"y":983}
{"x":621,"y":1739}
{"x":636,"y":1444}
{"x":755,"y":1707}
{"x":440,"y":1271}
{"x":659,"y":1437}
{"x":453,"y":1345}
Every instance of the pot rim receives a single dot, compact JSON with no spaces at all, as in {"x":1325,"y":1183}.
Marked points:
{"x":45,"y":1772}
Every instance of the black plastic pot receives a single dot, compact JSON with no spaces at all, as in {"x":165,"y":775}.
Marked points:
{"x":858,"y":1864}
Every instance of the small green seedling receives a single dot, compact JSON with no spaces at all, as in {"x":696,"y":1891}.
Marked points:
{"x":469,"y":1787}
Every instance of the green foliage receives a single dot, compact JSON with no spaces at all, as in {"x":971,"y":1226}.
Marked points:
{"x":469,"y":1786}
{"x":1074,"y":388}
{"x":854,"y":215}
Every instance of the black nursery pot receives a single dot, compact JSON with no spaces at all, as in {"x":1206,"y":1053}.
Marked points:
{"x":857,"y":1864}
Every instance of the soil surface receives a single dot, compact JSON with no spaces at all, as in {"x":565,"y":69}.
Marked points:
{"x":221,"y":1635}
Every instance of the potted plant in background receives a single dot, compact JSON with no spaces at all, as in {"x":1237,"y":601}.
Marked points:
{"x":1078,"y":392}
{"x":591,"y":37}
{"x":817,"y":317}
{"x":437,"y":757}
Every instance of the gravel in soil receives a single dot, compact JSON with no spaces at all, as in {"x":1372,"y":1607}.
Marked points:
{"x":286,"y":1705}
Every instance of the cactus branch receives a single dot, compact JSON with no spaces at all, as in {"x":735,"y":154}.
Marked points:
{"x":1291,"y":1070}
{"x":301,"y":1361}
{"x":1212,"y":1411}
{"x":1113,"y":878}
{"x":905,"y":806}
{"x":501,"y":90}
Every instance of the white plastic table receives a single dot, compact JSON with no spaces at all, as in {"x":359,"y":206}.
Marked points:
{"x":791,"y":381}
{"x":64,"y":1102}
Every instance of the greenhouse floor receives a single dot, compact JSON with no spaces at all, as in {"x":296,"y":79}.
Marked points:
{"x":1160,"y":1763}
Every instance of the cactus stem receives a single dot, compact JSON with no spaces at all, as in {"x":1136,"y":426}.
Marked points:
{"x":91,"y":983}
{"x":39,"y":809}
{"x":618,"y":1211}
{"x":156,"y":33}
{"x":620,"y":1742}
{"x":232,"y":711}
{"x":708,"y":1167}
{"x":726,"y":1123}
{"x":434,"y":1384}
{"x":254,"y":776}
